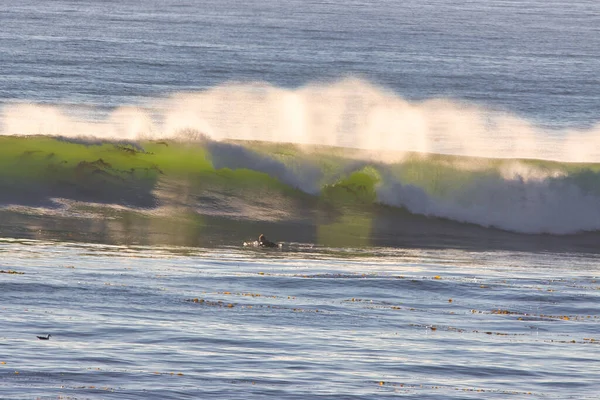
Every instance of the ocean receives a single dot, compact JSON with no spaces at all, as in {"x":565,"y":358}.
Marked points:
{"x":431,"y":171}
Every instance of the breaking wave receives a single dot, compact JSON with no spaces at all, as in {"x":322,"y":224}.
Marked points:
{"x":272,"y":181}
{"x":261,"y":153}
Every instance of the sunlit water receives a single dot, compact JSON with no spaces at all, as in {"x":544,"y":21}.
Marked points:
{"x":172,"y":323}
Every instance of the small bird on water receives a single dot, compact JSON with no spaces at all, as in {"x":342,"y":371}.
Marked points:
{"x":44,"y":337}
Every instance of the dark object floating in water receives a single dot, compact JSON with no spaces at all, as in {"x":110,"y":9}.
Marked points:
{"x":262,"y":242}
{"x":44,"y":337}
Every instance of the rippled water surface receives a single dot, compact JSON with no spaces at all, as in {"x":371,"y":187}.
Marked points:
{"x":172,"y":323}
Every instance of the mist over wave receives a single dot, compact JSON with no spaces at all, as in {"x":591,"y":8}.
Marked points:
{"x":347,"y":113}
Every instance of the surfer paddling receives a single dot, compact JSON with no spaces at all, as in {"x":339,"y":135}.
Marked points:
{"x":44,"y":337}
{"x":263,"y":242}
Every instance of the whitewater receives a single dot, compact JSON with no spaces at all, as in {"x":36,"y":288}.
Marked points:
{"x":431,"y":171}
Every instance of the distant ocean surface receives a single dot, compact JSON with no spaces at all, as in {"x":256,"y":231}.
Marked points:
{"x":432,"y":170}
{"x":536,"y":59}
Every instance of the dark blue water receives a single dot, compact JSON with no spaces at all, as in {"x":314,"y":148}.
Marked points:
{"x":537,"y":59}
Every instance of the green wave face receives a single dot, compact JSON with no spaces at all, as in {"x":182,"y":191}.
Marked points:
{"x":37,"y":169}
{"x":357,"y":188}
{"x":183,"y":192}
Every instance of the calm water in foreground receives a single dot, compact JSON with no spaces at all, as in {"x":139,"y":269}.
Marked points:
{"x":174,"y":323}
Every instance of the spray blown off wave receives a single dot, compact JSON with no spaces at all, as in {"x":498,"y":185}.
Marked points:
{"x":330,"y":187}
{"x":350,"y":113}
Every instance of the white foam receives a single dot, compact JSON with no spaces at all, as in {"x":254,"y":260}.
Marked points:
{"x":521,"y":199}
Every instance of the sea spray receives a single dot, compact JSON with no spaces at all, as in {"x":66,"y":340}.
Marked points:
{"x":349,"y":113}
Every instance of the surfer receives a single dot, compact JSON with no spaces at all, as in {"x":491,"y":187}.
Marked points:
{"x":44,"y":337}
{"x":263,"y":242}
